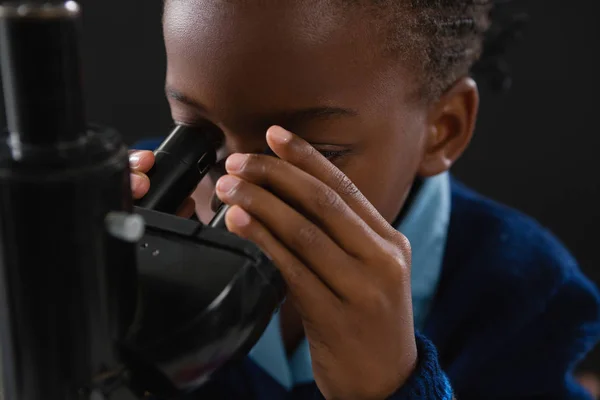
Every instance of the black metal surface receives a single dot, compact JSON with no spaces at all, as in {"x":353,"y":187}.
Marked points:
{"x":218,"y":221}
{"x":67,"y":288}
{"x":206,"y":296}
{"x":39,"y":54}
{"x":81,"y":310}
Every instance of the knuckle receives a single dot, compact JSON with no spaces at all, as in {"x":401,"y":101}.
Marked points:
{"x":394,"y":261}
{"x":321,"y":348}
{"x":295,"y":276}
{"x":344,"y":186}
{"x":402,"y":243}
{"x":373,"y":298}
{"x":326,"y":199}
{"x":306,"y":236}
{"x":398,"y":262}
{"x":303,"y":155}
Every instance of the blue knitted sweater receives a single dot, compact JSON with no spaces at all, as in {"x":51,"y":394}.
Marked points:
{"x":512,"y":317}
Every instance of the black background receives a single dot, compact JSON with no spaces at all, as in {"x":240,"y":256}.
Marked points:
{"x":535,"y":147}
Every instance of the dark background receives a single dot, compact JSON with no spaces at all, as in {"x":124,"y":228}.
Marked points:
{"x":535,"y":147}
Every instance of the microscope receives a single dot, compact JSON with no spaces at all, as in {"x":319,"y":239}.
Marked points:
{"x":101,"y":295}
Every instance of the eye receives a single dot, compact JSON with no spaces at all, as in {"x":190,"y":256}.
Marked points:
{"x":333,"y":155}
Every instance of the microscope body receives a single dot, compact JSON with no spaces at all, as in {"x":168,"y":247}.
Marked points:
{"x":98,"y":293}
{"x":64,"y":281}
{"x":205,"y":295}
{"x":62,"y":277}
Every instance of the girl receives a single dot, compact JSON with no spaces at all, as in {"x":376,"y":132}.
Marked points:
{"x":403,"y":284}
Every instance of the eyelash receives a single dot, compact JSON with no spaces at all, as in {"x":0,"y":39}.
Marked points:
{"x":332,"y":155}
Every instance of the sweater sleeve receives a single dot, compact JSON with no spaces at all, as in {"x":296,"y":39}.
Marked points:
{"x":428,"y":381}
{"x":538,"y":359}
{"x":535,"y":361}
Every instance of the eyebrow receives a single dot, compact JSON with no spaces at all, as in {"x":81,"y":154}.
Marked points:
{"x":182,"y":98}
{"x":292,"y":116}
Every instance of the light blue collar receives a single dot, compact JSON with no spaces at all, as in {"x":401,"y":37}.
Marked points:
{"x":426,"y":226}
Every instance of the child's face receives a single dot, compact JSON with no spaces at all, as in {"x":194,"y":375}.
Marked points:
{"x":311,"y":68}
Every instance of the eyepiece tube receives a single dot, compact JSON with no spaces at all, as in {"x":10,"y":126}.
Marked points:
{"x":181,"y":162}
{"x":218,"y":221}
{"x":39,"y":60}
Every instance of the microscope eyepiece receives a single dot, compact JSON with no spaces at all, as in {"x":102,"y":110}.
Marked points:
{"x":39,"y":59}
{"x":181,"y":161}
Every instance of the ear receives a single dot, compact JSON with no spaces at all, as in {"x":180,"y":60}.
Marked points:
{"x":450,"y":127}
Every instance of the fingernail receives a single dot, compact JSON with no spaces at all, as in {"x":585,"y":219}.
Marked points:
{"x":279,"y":135}
{"x":227,"y":183}
{"x":134,"y":160}
{"x":238,"y":217}
{"x":235,"y":162}
{"x":136,"y":181}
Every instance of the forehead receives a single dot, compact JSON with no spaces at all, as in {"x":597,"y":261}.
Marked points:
{"x":305,"y":18}
{"x":270,"y":53}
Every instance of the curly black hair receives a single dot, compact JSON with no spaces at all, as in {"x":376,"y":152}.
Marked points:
{"x":448,"y":39}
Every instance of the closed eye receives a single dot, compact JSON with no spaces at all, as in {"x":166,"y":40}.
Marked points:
{"x":332,"y":155}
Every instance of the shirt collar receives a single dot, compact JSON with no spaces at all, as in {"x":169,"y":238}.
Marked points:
{"x":426,"y":226}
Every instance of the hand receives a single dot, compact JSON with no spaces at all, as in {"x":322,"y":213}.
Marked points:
{"x":591,"y":383}
{"x":347,"y":269}
{"x":140,"y":163}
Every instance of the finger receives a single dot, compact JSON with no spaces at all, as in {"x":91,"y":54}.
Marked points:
{"x":187,"y":209}
{"x":312,"y":297}
{"x":298,"y":152}
{"x":140,"y":184}
{"x":141,"y":160}
{"x":303,"y":238}
{"x":321,"y":204}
